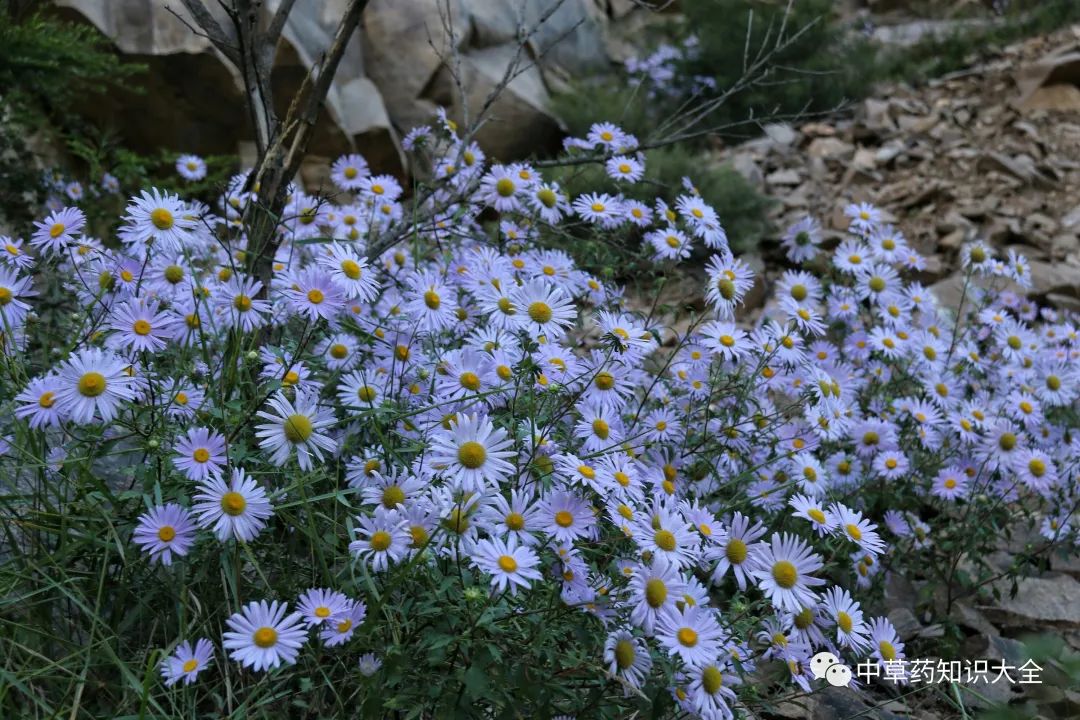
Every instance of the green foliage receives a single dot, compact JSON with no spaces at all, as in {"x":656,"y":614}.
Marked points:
{"x":47,"y":67}
{"x":50,"y":63}
{"x":814,"y":64}
{"x":933,"y":57}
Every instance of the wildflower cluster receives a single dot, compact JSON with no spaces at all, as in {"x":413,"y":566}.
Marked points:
{"x":483,"y":411}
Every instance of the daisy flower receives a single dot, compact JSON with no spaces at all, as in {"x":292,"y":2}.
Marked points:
{"x":349,"y":172}
{"x":139,"y":326}
{"x":237,"y":509}
{"x":318,"y":605}
{"x":164,"y":530}
{"x":851,"y":631}
{"x":884,"y":642}
{"x":187,"y":662}
{"x":350,"y":272}
{"x":810,"y":509}
{"x":200,"y":454}
{"x":57,"y":231}
{"x":725,"y":340}
{"x":669,"y":244}
{"x":627,"y":658}
{"x":599,"y":208}
{"x":654,"y":589}
{"x":782,"y":569}
{"x":236,"y":300}
{"x":950,"y":484}
{"x":295,"y":426}
{"x":802,"y":239}
{"x":500,"y":188}
{"x":341,"y":627}
{"x":624,"y":168}
{"x":11,"y":253}
{"x":315,"y":295}
{"x":566,"y":516}
{"x":544,"y":309}
{"x":382,"y":539}
{"x":369,"y":664}
{"x":510,"y":565}
{"x":160,"y":219}
{"x":191,"y":167}
{"x":262,"y":636}
{"x":12,"y":287}
{"x":851,"y":524}
{"x":471,"y":454}
{"x":863,"y":216}
{"x":692,"y":633}
{"x":548,"y":200}
{"x":94,"y":381}
{"x":37,"y":403}
{"x":736,"y":552}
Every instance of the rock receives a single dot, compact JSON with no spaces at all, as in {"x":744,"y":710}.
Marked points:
{"x":745,"y":165}
{"x":391,"y":77}
{"x":818,"y":130}
{"x":783,"y":177}
{"x":905,"y":622}
{"x":1061,"y":277}
{"x":782,"y":135}
{"x":865,"y":159}
{"x":1071,"y":219}
{"x":966,"y":616}
{"x":1040,"y":603}
{"x":912,"y":33}
{"x":1053,"y":79}
{"x":842,"y":702}
{"x":1022,"y":167}
{"x":830,"y":148}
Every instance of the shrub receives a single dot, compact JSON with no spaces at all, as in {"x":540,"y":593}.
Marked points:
{"x":431,"y":472}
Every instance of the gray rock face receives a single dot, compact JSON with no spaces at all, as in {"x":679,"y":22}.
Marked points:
{"x":395,"y":72}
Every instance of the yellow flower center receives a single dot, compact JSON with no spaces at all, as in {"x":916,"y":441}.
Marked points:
{"x":92,"y":384}
{"x":711,"y":680}
{"x":564,"y":518}
{"x":888,"y":652}
{"x":380,"y":540}
{"x":471,"y":454}
{"x":166,"y":533}
{"x":392,"y":496}
{"x":297,"y":428}
{"x":844,"y":621}
{"x":604,"y":380}
{"x":162,"y":219}
{"x":540,"y":312}
{"x":736,"y":551}
{"x":265,"y":637}
{"x":190,"y":665}
{"x":233,"y":503}
{"x":350,"y":173}
{"x":141,"y":327}
{"x":315,"y":296}
{"x":785,"y":574}
{"x":432,"y":299}
{"x":1037,"y":467}
{"x":816,"y":515}
{"x":504,"y":187}
{"x":242,"y":303}
{"x":687,"y":637}
{"x":469,"y":381}
{"x":366,"y":393}
{"x":201,"y":455}
{"x":665,"y":540}
{"x":47,"y":399}
{"x":338,"y":351}
{"x":853,"y":531}
{"x":655,"y":592}
{"x":507,"y":563}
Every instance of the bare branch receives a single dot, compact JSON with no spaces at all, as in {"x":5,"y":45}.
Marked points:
{"x":277,"y":24}
{"x":226,"y":44}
